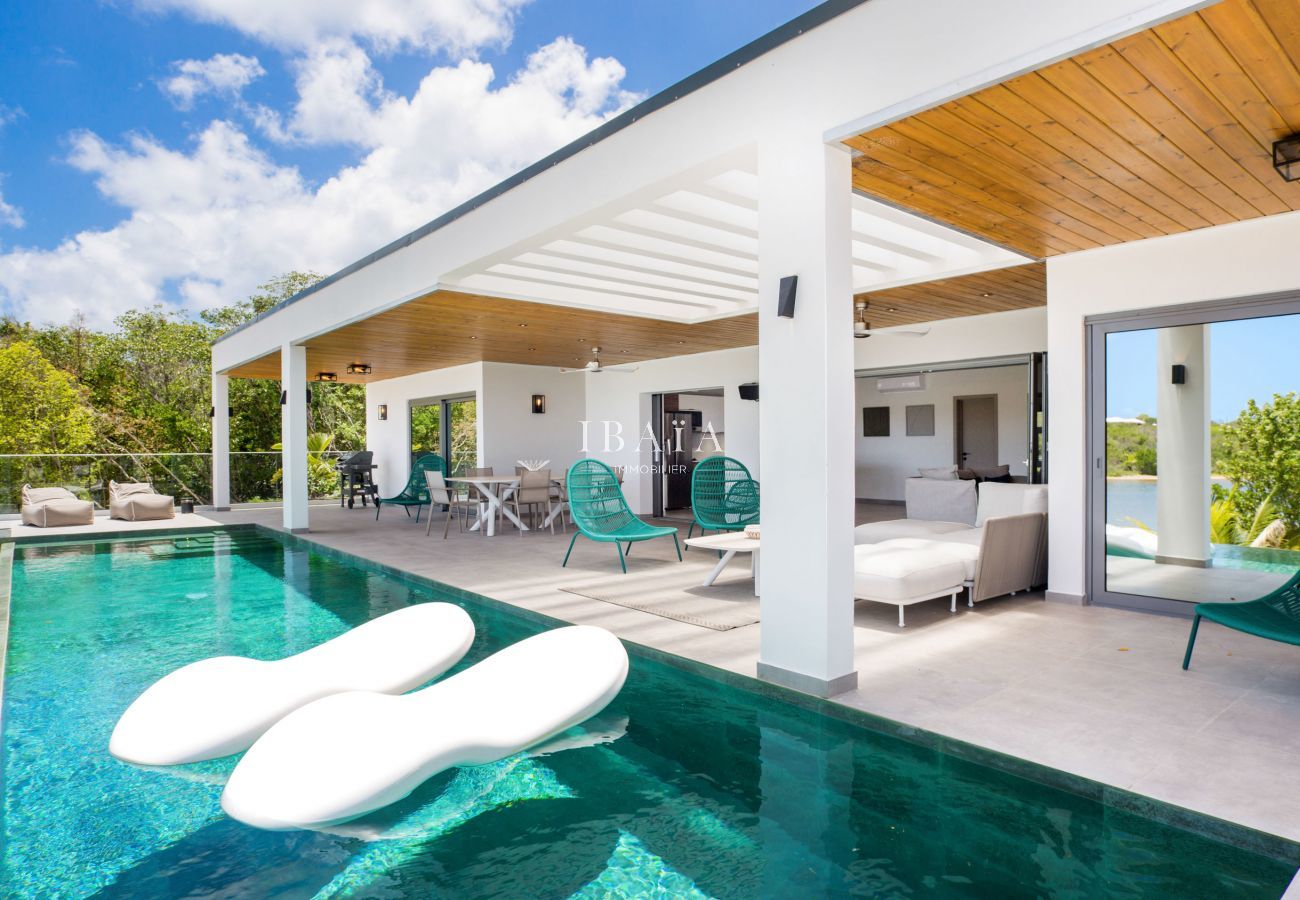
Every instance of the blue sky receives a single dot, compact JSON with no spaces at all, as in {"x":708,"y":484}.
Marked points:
{"x":118,"y":188}
{"x":1249,"y":359}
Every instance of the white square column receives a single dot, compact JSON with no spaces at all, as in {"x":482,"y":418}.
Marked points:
{"x":1183,"y":446}
{"x":806,"y":415}
{"x":220,"y":441}
{"x":293,"y":436}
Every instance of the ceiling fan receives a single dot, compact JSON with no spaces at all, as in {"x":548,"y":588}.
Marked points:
{"x":862,"y":328}
{"x":595,"y":368}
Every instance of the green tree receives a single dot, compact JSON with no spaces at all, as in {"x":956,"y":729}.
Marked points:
{"x":1261,"y":456}
{"x":41,"y":409}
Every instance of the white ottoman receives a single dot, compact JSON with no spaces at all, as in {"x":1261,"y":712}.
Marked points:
{"x":905,"y":575}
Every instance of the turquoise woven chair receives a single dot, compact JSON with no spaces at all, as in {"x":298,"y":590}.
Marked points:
{"x":1274,"y":616}
{"x":416,"y":492}
{"x":723,"y":496}
{"x":600,"y":512}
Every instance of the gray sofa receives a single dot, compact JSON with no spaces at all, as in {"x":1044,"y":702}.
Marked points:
{"x":997,"y":531}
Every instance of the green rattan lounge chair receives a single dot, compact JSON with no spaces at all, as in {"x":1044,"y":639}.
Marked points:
{"x":723,"y":496}
{"x":416,"y":492}
{"x":1275,"y":616}
{"x":600,"y":512}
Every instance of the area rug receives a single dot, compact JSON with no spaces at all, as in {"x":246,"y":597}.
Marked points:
{"x":674,"y":592}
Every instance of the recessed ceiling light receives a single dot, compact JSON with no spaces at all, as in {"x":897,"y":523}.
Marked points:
{"x":473,"y":337}
{"x":532,"y":348}
{"x":523,"y":324}
{"x":582,"y":340}
{"x":681,"y":342}
{"x":986,"y":295}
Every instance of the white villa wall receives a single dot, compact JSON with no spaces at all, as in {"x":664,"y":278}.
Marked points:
{"x":884,"y":462}
{"x":510,"y":429}
{"x":625,"y":399}
{"x":1016,"y":333}
{"x":1224,"y":262}
{"x":391,"y":440}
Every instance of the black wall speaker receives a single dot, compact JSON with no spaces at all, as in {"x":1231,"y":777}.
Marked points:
{"x":749,"y":391}
{"x":1180,"y":375}
{"x":785,"y":299}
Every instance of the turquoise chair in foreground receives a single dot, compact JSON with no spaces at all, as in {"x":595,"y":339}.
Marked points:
{"x":416,"y":492}
{"x":1274,"y":616}
{"x":600,"y":512}
{"x":724,"y":497}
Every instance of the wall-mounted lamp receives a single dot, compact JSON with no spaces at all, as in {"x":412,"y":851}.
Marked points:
{"x":326,"y":376}
{"x":212,"y":412}
{"x":383,"y":412}
{"x":539,"y":403}
{"x":1179,"y":374}
{"x":1286,"y":157}
{"x":284,"y":397}
{"x":358,"y":369}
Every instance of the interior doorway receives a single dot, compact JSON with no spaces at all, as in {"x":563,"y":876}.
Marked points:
{"x":976,"y":431}
{"x":689,"y":426}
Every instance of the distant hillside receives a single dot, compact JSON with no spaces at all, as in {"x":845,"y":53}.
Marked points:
{"x":1131,"y":447}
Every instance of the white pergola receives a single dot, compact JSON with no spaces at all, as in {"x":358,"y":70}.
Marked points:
{"x":692,"y":208}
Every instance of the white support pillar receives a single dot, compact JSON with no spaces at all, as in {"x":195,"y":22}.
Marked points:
{"x":806,"y":415}
{"x":293,"y":435}
{"x":1183,"y":446}
{"x":220,"y":441}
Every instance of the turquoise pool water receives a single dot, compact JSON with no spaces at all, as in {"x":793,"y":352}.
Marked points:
{"x":684,"y":787}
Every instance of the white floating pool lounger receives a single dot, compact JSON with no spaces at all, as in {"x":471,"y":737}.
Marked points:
{"x":219,"y":706}
{"x":346,"y":755}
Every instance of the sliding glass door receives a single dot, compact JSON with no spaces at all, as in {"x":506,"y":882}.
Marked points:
{"x":447,"y":426}
{"x":1194,"y":449}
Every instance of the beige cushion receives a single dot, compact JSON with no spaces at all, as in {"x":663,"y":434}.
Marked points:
{"x":940,"y":473}
{"x":903,"y":575}
{"x":1010,"y":500}
{"x":126,"y":489}
{"x":33,"y":496}
{"x":54,"y":513}
{"x":875,"y":532}
{"x":140,"y":507}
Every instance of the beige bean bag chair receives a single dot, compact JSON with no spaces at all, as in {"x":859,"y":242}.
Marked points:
{"x":54,"y":506}
{"x":137,"y":502}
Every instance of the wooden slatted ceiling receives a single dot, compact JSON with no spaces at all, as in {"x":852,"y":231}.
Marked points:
{"x":1001,"y":290}
{"x":1165,"y":131}
{"x":448,"y":328}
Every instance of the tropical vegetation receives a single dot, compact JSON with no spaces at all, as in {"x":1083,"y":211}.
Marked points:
{"x":139,"y":393}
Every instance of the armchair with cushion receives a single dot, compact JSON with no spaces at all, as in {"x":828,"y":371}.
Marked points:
{"x":54,"y":506}
{"x":138,"y":502}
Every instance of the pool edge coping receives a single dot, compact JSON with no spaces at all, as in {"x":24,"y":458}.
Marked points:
{"x":1212,"y":827}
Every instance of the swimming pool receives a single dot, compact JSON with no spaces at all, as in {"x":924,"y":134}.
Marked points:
{"x":685,"y":786}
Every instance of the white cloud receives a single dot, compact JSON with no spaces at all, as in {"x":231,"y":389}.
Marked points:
{"x":10,"y":215}
{"x":458,"y":26}
{"x":209,"y":222}
{"x":225,"y":74}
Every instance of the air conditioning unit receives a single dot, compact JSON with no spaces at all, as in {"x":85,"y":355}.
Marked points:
{"x":896,"y":383}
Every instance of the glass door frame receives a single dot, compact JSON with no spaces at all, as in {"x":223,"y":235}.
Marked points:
{"x":444,"y":405}
{"x":1096,"y":329}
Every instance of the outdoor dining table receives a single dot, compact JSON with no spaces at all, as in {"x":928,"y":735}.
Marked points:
{"x":497,"y":489}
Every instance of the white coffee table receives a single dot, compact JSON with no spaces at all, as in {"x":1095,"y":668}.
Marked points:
{"x":730,"y":543}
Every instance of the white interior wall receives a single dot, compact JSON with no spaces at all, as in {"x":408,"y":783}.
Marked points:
{"x":625,"y":400}
{"x":391,"y":440}
{"x":511,"y":431}
{"x":1238,"y":260}
{"x":884,"y":462}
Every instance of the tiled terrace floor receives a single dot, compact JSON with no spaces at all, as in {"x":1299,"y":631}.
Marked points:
{"x":1093,"y":691}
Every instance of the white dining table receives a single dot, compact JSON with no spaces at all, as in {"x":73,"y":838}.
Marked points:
{"x":496,"y":489}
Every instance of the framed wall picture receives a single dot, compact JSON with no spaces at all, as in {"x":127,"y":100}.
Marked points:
{"x":920,"y":420}
{"x":875,"y":421}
